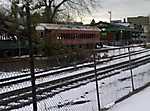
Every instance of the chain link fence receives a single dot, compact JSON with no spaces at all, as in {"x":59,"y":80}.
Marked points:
{"x":58,"y":89}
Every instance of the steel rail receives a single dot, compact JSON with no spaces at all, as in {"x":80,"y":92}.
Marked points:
{"x":61,"y":82}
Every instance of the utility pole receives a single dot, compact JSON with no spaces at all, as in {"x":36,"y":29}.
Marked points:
{"x":31,"y":56}
{"x":110,"y":16}
{"x":96,"y":80}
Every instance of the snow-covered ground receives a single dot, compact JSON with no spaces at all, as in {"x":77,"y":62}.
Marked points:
{"x":26,"y":71}
{"x":83,"y":98}
{"x":138,"y":102}
{"x":62,"y":75}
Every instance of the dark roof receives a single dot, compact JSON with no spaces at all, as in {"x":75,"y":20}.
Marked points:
{"x":113,"y":26}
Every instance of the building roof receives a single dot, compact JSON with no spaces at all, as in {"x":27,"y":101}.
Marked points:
{"x":140,"y":20}
{"x":43,"y":26}
{"x":113,"y":26}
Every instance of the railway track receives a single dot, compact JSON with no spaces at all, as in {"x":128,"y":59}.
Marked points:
{"x":21,"y":97}
{"x":26,"y":77}
{"x":20,"y":83}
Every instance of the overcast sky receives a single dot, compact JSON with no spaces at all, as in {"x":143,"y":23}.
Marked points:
{"x":120,"y":9}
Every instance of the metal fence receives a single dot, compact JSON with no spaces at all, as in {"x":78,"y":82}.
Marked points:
{"x":127,"y":81}
{"x":61,"y":87}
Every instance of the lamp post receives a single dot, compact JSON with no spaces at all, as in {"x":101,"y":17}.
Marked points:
{"x":28,"y":19}
{"x":28,"y":23}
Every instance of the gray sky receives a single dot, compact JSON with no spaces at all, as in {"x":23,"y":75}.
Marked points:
{"x":120,"y":9}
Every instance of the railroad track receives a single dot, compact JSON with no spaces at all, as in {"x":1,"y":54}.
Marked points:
{"x":20,"y":83}
{"x":19,"y":98}
{"x":26,"y":77}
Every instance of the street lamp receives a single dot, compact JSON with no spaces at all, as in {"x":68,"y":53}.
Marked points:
{"x":26,"y":6}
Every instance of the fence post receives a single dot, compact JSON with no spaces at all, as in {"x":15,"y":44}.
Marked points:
{"x":130,"y":66}
{"x":31,"y":56}
{"x":96,"y":80}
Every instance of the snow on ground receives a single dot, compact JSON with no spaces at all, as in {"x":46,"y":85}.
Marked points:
{"x":62,"y":75}
{"x":26,"y":71}
{"x":138,"y":102}
{"x":111,"y":89}
{"x":83,"y":98}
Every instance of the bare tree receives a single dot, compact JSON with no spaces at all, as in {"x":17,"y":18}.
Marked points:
{"x":54,"y":8}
